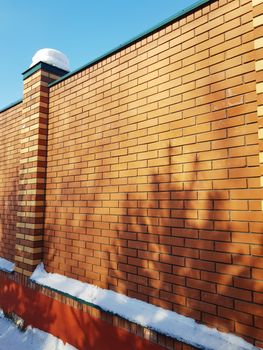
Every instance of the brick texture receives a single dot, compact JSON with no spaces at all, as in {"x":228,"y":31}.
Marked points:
{"x":153,"y":181}
{"x":32,"y":171}
{"x":9,"y":175}
{"x":154,"y":169}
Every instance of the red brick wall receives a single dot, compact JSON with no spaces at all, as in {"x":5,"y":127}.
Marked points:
{"x":153,"y":179}
{"x":10,"y":125}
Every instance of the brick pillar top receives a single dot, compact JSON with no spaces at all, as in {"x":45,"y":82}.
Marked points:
{"x":33,"y":158}
{"x":58,"y":72}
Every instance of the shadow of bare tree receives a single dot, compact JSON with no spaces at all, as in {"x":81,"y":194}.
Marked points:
{"x":178,"y":248}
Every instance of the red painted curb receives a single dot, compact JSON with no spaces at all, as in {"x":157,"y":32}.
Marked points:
{"x":65,"y":322}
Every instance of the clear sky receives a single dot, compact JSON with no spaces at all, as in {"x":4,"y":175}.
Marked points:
{"x":82,"y":29}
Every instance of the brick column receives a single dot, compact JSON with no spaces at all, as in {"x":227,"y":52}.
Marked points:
{"x":31,"y":205}
{"x":258,"y":44}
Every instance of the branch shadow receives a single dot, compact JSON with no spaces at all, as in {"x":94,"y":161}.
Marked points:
{"x":177,"y":248}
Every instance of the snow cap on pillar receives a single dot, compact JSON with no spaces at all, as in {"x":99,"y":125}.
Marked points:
{"x":51,"y":56}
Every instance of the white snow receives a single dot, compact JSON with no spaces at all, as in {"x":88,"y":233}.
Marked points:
{"x":12,"y":338}
{"x":51,"y":56}
{"x":6,"y":265}
{"x":164,"y":321}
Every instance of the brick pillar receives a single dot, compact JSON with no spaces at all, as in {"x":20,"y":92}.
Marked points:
{"x":258,"y":44}
{"x":31,"y":205}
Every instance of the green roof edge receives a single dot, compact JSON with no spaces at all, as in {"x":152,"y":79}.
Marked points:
{"x":157,"y":27}
{"x":42,"y":65}
{"x":11,"y":105}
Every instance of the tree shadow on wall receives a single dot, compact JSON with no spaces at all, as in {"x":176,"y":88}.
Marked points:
{"x":69,"y":227}
{"x":177,"y":249}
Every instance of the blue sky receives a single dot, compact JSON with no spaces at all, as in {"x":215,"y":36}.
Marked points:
{"x":82,"y":29}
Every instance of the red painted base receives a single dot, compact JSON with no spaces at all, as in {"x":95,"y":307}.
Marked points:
{"x":67,"y":323}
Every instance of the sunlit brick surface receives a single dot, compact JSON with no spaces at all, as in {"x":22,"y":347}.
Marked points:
{"x":32,"y":172}
{"x":154,"y":159}
{"x":153,"y":181}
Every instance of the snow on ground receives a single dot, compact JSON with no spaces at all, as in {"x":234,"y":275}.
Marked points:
{"x":6,"y":265}
{"x":12,"y":338}
{"x":164,"y":321}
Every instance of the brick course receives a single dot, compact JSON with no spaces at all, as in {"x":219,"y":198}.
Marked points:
{"x":154,"y":169}
{"x":10,"y":120}
{"x":153,"y":181}
{"x":32,"y":171}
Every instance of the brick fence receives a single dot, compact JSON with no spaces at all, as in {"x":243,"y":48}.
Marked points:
{"x":142,"y":171}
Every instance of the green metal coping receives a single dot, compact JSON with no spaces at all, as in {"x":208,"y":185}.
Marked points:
{"x":79,"y":300}
{"x":141,"y":36}
{"x":66,"y":74}
{"x":40,"y":65}
{"x":11,"y":105}
{"x":45,"y":66}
